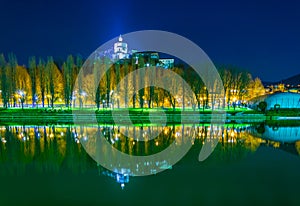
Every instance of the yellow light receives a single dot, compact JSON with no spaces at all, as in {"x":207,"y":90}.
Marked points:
{"x":232,"y":134}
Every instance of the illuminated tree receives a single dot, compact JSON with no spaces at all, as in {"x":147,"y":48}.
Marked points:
{"x":96,"y":75}
{"x":134,"y":66}
{"x":256,"y":88}
{"x":23,"y":85}
{"x":4,"y":81}
{"x":33,"y":77}
{"x":118,"y":78}
{"x":89,"y":87}
{"x":174,"y":85}
{"x":42,"y":80}
{"x":12,"y":63}
{"x":243,"y":81}
{"x":54,"y":82}
{"x":141,"y":91}
{"x":227,"y":80}
{"x":68,"y":67}
{"x":109,"y":77}
{"x":126,"y":83}
{"x":236,"y":83}
{"x":81,"y":92}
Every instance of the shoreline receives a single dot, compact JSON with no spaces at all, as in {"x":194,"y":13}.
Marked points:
{"x":135,"y":116}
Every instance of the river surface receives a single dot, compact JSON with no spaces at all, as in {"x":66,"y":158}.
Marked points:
{"x":65,"y":165}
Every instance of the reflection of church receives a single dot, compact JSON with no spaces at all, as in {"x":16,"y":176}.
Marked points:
{"x":121,"y":52}
{"x":119,"y":177}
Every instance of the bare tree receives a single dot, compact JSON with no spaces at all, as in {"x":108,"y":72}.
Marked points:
{"x":33,"y":77}
{"x":42,"y":79}
{"x":4,"y":81}
{"x":68,"y":80}
{"x":50,"y":81}
{"x":12,"y":76}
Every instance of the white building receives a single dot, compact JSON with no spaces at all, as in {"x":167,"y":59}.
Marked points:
{"x":283,"y":99}
{"x":120,"y":50}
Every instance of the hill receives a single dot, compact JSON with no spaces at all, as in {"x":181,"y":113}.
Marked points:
{"x":293,"y":81}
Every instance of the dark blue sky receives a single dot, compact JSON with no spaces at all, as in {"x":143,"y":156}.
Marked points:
{"x":260,"y":36}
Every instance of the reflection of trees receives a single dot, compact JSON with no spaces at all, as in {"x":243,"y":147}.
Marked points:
{"x":137,"y":140}
{"x":236,"y":143}
{"x":261,"y":128}
{"x":44,"y":149}
{"x":54,"y":149}
{"x":297,"y":144}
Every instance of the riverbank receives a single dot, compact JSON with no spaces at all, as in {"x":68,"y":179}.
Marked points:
{"x":124,"y":116}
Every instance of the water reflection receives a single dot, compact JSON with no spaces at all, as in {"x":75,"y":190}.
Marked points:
{"x":57,"y":149}
{"x":283,"y":134}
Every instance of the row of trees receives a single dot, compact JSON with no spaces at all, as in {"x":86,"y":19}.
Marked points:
{"x":47,"y":83}
{"x":42,"y":82}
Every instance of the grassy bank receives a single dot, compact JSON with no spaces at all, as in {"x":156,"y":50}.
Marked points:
{"x":65,"y":115}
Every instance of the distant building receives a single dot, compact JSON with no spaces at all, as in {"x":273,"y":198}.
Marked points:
{"x":275,"y":88}
{"x":120,"y":50}
{"x":283,"y":99}
{"x":143,"y":59}
{"x":166,"y":63}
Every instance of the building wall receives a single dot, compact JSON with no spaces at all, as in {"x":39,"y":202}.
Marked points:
{"x":285,"y":100}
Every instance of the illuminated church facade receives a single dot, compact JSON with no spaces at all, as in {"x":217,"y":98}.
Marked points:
{"x":121,"y":52}
{"x":120,"y":49}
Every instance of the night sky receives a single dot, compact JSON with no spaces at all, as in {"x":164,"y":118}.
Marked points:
{"x":260,"y":36}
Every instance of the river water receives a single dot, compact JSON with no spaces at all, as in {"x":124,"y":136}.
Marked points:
{"x":63,"y":165}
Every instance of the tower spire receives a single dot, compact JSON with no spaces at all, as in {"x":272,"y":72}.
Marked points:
{"x":120,"y":38}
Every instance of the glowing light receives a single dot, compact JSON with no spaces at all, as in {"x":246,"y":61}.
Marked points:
{"x":232,"y":134}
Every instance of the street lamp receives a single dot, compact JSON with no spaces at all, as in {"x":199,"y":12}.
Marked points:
{"x":36,"y":99}
{"x":82,"y":98}
{"x":234,"y":102}
{"x":103,"y":102}
{"x":21,"y":95}
{"x":111,"y":98}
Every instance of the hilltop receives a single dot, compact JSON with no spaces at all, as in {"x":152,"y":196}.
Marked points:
{"x":293,"y":81}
